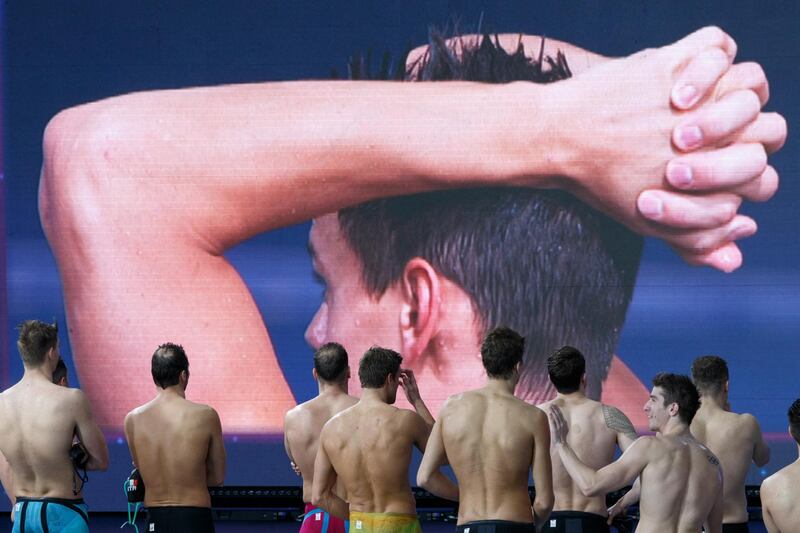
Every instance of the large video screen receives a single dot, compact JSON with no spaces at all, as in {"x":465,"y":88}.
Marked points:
{"x":186,"y":228}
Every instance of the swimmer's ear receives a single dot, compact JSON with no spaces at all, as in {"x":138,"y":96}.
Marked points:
{"x":419,"y":313}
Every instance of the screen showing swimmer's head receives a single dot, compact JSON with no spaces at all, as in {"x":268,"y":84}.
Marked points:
{"x":124,"y":268}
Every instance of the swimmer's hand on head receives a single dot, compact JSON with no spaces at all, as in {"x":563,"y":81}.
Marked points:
{"x":668,"y":141}
{"x":409,"y":384}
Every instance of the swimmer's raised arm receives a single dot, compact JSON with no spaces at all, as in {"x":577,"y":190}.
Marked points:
{"x":411,"y":390}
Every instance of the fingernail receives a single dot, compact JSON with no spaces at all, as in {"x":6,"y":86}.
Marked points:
{"x":650,"y":205}
{"x":689,"y":137}
{"x":679,"y":175}
{"x":685,"y":96}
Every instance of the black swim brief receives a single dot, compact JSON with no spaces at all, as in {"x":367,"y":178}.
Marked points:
{"x":575,"y":522}
{"x":179,"y":520}
{"x":740,"y":527}
{"x":496,"y":526}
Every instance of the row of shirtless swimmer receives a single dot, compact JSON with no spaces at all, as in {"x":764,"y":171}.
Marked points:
{"x":176,"y":445}
{"x":354,"y":454}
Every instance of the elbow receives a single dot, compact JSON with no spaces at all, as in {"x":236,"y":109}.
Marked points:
{"x":99,"y":464}
{"x":543,"y":505}
{"x":316,"y":498}
{"x":591,"y":491}
{"x":216,"y":480}
{"x":72,"y":193}
{"x":423,"y":479}
{"x":763,"y":458}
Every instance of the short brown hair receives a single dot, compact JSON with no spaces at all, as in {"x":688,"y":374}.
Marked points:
{"x":35,"y":339}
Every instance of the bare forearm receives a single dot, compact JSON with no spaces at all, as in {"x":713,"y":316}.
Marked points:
{"x":541,"y":511}
{"x":439,"y":484}
{"x":583,"y":476}
{"x":333,"y":504}
{"x":316,"y":146}
{"x":423,"y":411}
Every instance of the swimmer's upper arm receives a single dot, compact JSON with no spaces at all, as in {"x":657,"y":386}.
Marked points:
{"x":129,"y":437}
{"x":420,"y":430}
{"x":286,"y":423}
{"x":215,"y":461}
{"x":322,"y":493}
{"x":621,"y":425}
{"x":761,"y":451}
{"x":88,"y":432}
{"x":714,"y":522}
{"x":542,"y":467}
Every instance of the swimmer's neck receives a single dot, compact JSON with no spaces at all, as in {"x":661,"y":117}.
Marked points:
{"x":568,"y":397}
{"x":171,"y":392}
{"x":369,"y":395}
{"x":500,"y":386}
{"x":675,"y":427}
{"x":714,"y":402}
{"x":329,"y":389}
{"x":37,"y":373}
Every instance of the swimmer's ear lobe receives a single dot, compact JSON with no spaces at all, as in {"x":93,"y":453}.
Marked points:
{"x":419,"y":313}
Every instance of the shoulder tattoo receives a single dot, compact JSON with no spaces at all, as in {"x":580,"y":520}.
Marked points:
{"x":617,"y":421}
{"x":711,"y":459}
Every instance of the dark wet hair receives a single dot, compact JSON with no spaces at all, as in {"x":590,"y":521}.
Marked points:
{"x":330,"y":362}
{"x":538,"y":261}
{"x":36,"y":338}
{"x":501,"y":350}
{"x":168,"y":361}
{"x":566,"y":367}
{"x":794,"y":420}
{"x":709,"y":373}
{"x":679,"y":389}
{"x":376,"y":365}
{"x":60,"y":372}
